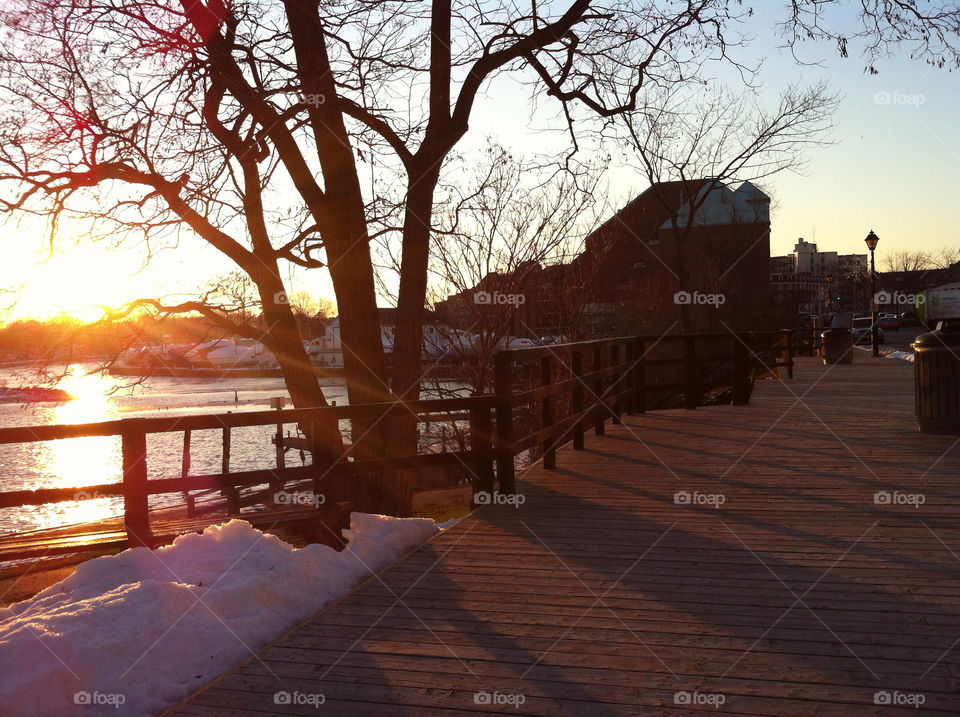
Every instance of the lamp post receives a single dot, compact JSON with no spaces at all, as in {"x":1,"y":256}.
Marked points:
{"x":871,"y":241}
{"x":829,"y":293}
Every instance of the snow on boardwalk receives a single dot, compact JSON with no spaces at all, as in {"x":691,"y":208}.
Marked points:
{"x":797,"y":556}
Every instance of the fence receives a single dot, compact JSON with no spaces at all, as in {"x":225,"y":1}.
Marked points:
{"x":543,"y":397}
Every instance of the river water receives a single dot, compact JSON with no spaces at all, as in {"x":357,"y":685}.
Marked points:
{"x":87,"y":461}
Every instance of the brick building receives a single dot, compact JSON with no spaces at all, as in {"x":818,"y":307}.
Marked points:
{"x":697,"y":248}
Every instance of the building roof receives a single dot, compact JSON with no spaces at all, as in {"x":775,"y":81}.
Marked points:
{"x":919,"y":279}
{"x":717,"y":205}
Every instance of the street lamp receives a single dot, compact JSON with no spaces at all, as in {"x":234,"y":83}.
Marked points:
{"x":871,"y":241}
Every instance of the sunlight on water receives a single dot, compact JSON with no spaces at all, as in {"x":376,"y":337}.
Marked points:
{"x":78,"y":462}
{"x":83,"y":461}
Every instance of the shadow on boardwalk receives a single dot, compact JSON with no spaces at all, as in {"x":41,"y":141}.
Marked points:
{"x":769,"y":559}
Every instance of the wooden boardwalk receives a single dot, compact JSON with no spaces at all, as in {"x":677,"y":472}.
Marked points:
{"x":804,"y":576}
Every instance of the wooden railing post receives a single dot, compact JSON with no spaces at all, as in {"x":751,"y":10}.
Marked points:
{"x":617,"y":383}
{"x":576,"y":399}
{"x":276,"y":485}
{"x":548,"y":445}
{"x":331,"y":477}
{"x":599,"y":417}
{"x":316,"y":451}
{"x":639,"y":377}
{"x":690,"y":392}
{"x":185,"y":471}
{"x":503,"y":386}
{"x":786,"y":341}
{"x":481,"y":441}
{"x":741,"y":370}
{"x":136,"y":508}
{"x":231,"y":493}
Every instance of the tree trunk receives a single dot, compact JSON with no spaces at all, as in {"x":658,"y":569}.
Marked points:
{"x":408,"y":337}
{"x":366,"y":375}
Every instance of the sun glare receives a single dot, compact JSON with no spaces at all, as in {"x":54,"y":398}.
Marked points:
{"x":77,"y":282}
{"x":77,"y":462}
{"x":90,"y":397}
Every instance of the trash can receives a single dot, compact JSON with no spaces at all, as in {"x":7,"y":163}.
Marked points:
{"x":837,"y":346}
{"x":936,"y":368}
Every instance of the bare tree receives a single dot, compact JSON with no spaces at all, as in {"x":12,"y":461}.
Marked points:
{"x":501,"y":240}
{"x":923,"y":268}
{"x":929,"y":30}
{"x":946,"y":257}
{"x":254,"y":125}
{"x":250,"y":125}
{"x":703,"y":144}
{"x":909,"y":261}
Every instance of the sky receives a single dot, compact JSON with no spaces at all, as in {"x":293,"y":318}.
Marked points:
{"x":893,"y":167}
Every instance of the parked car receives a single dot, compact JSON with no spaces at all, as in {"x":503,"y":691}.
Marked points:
{"x":908,"y":319}
{"x":861,"y":330}
{"x":889,"y":322}
{"x":520,"y":343}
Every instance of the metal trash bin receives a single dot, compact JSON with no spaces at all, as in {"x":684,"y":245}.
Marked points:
{"x":837,"y":346}
{"x":936,"y":371}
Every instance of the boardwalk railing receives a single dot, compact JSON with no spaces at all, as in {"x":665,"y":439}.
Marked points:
{"x":543,"y":397}
{"x":565,"y":389}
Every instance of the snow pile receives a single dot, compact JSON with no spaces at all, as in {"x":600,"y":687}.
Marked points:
{"x":134,"y":633}
{"x":892,"y":354}
{"x":901,"y":355}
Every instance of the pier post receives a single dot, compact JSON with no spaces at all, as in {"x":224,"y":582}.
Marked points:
{"x":690,"y":393}
{"x":617,"y":383}
{"x":481,"y":439}
{"x":741,"y":369}
{"x":548,"y":445}
{"x":599,"y":417}
{"x":503,"y":386}
{"x":136,"y":518}
{"x":577,"y":399}
{"x":639,"y":377}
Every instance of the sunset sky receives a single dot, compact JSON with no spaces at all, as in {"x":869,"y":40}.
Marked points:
{"x":894,"y":168}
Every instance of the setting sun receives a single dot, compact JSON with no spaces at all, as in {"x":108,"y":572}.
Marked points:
{"x":77,"y":281}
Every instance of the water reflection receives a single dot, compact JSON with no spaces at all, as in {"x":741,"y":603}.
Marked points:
{"x":82,"y":461}
{"x":88,"y":461}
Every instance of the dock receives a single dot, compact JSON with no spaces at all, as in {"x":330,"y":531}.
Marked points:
{"x":798,"y":555}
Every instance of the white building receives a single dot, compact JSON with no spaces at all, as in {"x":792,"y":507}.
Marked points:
{"x":327,"y":349}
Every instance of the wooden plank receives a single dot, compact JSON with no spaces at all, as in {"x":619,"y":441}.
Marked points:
{"x":605,"y":593}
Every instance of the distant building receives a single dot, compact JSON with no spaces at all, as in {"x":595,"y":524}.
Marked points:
{"x":798,"y":294}
{"x":843,"y":281}
{"x":898,"y":289}
{"x":698,"y":243}
{"x":327,"y":349}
